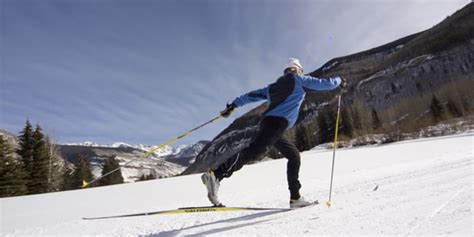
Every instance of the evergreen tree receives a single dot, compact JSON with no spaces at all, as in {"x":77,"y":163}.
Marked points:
{"x":68,"y":178}
{"x":145,"y":177}
{"x":41,"y":162}
{"x":310,"y":131}
{"x":376,"y":124}
{"x":323,"y":128}
{"x":12,"y":175}
{"x":454,"y":109}
{"x":26,"y":150}
{"x":81,"y":172}
{"x":55,"y":166}
{"x":302,"y":137}
{"x":39,"y":171}
{"x":345,"y":126}
{"x":436,"y":109}
{"x":113,"y":178}
{"x":326,"y":124}
{"x":356,"y":121}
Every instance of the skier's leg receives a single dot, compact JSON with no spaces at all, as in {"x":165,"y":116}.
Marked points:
{"x":291,"y":153}
{"x":271,"y":129}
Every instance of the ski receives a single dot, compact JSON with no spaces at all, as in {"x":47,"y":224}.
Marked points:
{"x":200,"y":209}
{"x":185,"y":210}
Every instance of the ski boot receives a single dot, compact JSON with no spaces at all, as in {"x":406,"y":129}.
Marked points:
{"x":212,"y":185}
{"x":300,"y":202}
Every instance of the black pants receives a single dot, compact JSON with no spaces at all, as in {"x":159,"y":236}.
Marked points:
{"x":271,"y":131}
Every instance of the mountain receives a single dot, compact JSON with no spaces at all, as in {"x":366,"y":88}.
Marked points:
{"x":185,"y":154}
{"x":389,"y":190}
{"x":167,"y":162}
{"x":167,"y":152}
{"x":400,"y":87}
{"x":10,"y":138}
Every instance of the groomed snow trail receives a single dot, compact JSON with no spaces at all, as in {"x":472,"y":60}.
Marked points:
{"x":424,"y":188}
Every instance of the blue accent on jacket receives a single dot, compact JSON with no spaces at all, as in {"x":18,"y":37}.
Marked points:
{"x":286,"y":95}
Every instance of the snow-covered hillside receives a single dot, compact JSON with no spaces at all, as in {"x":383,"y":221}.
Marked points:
{"x":168,"y":151}
{"x":419,"y":187}
{"x":166,"y":162}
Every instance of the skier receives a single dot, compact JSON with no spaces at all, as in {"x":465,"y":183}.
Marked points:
{"x":285,"y":97}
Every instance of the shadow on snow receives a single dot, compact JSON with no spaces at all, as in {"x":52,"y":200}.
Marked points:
{"x":222,"y":229}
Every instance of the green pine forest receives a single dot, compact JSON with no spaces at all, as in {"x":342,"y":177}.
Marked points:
{"x":36,"y":166}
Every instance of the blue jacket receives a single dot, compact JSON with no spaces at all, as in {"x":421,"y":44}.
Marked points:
{"x":286,"y":95}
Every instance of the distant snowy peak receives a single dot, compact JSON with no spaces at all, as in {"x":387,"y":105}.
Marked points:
{"x":179,"y":151}
{"x":187,"y":150}
{"x":165,"y":152}
{"x":86,"y":143}
{"x":121,"y":144}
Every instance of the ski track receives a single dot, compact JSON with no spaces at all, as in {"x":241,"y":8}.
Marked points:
{"x":425,"y":196}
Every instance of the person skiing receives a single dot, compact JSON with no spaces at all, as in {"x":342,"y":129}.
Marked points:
{"x":284,"y":97}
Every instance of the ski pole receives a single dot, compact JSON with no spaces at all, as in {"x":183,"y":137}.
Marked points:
{"x":328,"y":203}
{"x":146,"y":155}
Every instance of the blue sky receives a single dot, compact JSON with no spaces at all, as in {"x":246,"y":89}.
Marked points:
{"x":146,"y":71}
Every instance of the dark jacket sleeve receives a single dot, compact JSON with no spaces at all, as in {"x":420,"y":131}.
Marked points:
{"x":253,"y":96}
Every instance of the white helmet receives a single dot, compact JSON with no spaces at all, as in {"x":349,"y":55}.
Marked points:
{"x":294,"y":62}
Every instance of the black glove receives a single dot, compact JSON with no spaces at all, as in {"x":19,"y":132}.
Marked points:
{"x":228,"y":110}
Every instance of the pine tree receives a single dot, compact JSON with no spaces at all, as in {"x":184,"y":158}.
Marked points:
{"x":145,"y":177}
{"x":113,"y":178}
{"x":436,"y":109}
{"x":310,"y":131}
{"x":346,"y":126}
{"x":12,"y":176}
{"x":55,"y":166}
{"x":323,"y":128}
{"x":41,"y":163}
{"x":26,"y":150}
{"x":39,"y":172}
{"x":81,"y":172}
{"x":326,"y":124}
{"x":376,"y":124}
{"x":454,"y":109}
{"x":356,"y":121}
{"x":302,"y":138}
{"x":68,"y":178}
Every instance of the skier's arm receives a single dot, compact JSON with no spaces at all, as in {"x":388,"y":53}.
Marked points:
{"x":315,"y":83}
{"x":253,"y":96}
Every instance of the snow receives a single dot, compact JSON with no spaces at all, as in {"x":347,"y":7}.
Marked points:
{"x":167,"y":151}
{"x":335,"y":63}
{"x":425,"y":187}
{"x":409,"y":63}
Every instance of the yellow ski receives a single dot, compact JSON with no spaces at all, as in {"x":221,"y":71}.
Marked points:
{"x":185,"y":210}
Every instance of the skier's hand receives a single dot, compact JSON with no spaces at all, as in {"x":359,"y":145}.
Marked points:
{"x":228,"y":110}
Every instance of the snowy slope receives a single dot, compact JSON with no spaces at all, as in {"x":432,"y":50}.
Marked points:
{"x":168,"y":151}
{"x":425,"y":187}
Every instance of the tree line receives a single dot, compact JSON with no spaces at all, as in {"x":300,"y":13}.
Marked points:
{"x":36,"y":166}
{"x":360,"y":120}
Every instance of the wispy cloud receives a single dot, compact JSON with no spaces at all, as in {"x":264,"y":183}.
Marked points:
{"x":143,"y":72}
